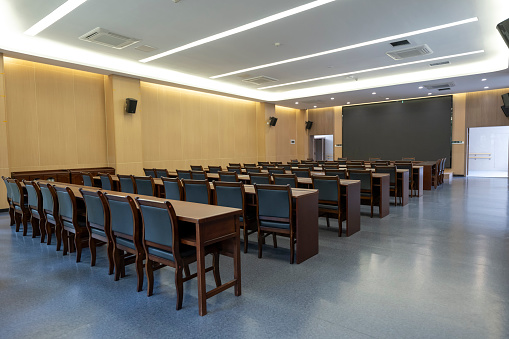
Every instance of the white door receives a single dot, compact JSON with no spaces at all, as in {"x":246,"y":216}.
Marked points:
{"x":488,"y":151}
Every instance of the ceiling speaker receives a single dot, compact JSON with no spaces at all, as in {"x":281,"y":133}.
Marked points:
{"x":503,"y":28}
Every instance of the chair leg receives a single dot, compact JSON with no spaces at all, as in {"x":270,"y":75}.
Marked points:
{"x":117,"y":262}
{"x":215,"y":266}
{"x":327,"y":218}
{"x":139,"y":272}
{"x":150,"y":277}
{"x":48,"y":232}
{"x":92,"y":247}
{"x":78,"y":245}
{"x":245,"y":238}
{"x":179,"y":285}
{"x":11,"y":215}
{"x":109,"y":249}
{"x":58,"y":234}
{"x":260,"y":237}
{"x":42,"y":229}
{"x":35,"y":226}
{"x":372,"y":207}
{"x":65,"y":240}
{"x":17,"y":219}
{"x":186,"y":270}
{"x":292,"y":249}
{"x":24,"y":218}
{"x":274,"y":240}
{"x":340,"y":225}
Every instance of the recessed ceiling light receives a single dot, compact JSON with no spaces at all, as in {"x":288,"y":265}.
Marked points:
{"x":345,"y":48}
{"x":314,"y":106}
{"x":242,"y":28}
{"x":421,"y":87}
{"x":332,"y":98}
{"x":54,"y":16}
{"x":486,"y":87}
{"x":430,"y":93}
{"x":372,"y":69}
{"x":296,"y":102}
{"x":484,"y":79}
{"x":348,"y":103}
{"x":386,"y":98}
{"x":373,"y":93}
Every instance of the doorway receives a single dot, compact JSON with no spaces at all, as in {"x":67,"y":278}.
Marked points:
{"x":488,"y":149}
{"x":323,"y":147}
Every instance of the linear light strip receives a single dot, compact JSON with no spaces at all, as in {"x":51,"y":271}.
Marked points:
{"x":374,"y":69}
{"x":240,"y":29}
{"x":341,"y":49}
{"x":54,"y":16}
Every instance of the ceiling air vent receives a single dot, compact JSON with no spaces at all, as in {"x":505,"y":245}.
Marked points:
{"x":410,"y":52}
{"x":447,"y":85}
{"x":445,"y":89}
{"x":104,"y":37}
{"x":442,"y":63}
{"x":145,"y":48}
{"x":400,"y":43}
{"x":261,"y":80}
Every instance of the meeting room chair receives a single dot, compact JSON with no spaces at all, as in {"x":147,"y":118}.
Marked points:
{"x":161,"y":243}
{"x":408,"y":158}
{"x":277,"y":163}
{"x":149,"y":172}
{"x":197,"y":191}
{"x":380,"y":163}
{"x":411,"y":183}
{"x":107,"y":182}
{"x":286,"y":179}
{"x":441,"y":173}
{"x":183,"y":174}
{"x":366,"y":179}
{"x":253,"y":170}
{"x":259,"y":178}
{"x":374,"y":159}
{"x":329,"y":198}
{"x":21,"y":211}
{"x":228,"y":176}
{"x":356,"y":167}
{"x":232,"y":194}
{"x":215,"y":169}
{"x":98,"y":225}
{"x":293,"y":161}
{"x":172,"y":188}
{"x":161,"y":172}
{"x":126,"y":236}
{"x":393,"y":186}
{"x":276,"y":170}
{"x":126,"y":183}
{"x":72,"y":222}
{"x":250,"y":165}
{"x":9,"y":201}
{"x":196,"y":167}
{"x":308,"y":166}
{"x":234,"y":164}
{"x":330,"y":166}
{"x":237,"y":170}
{"x":275,"y":214}
{"x":263,"y":163}
{"x":435,"y":173}
{"x":342,"y":162}
{"x":198,"y":175}
{"x":341,"y":173}
{"x":51,"y":215}
{"x":35,"y":208}
{"x":302,"y":172}
{"x":145,"y":185}
{"x":287,"y":167}
{"x":88,"y":179}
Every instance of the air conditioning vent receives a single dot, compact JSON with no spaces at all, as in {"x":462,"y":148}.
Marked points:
{"x":439,"y":86}
{"x":444,"y":89}
{"x":410,"y":52}
{"x":104,"y":37}
{"x":261,"y":80}
{"x":400,"y":43}
{"x":440,"y":63}
{"x":145,"y":48}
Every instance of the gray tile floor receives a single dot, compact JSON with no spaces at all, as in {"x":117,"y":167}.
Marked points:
{"x":436,"y":268}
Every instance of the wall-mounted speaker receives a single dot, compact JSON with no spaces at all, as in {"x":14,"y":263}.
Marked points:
{"x":272,"y":121}
{"x":503,"y":28}
{"x":309,"y":124}
{"x":130,"y":105}
{"x":505,"y":110}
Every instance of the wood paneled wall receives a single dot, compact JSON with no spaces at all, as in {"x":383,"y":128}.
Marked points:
{"x":483,"y":109}
{"x":182,"y":127}
{"x":55,"y":117}
{"x":290,"y":126}
{"x":4,"y":149}
{"x":458,"y":134}
{"x":323,"y":121}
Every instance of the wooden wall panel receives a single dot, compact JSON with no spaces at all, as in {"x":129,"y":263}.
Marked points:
{"x":323,"y":121}
{"x":286,"y":129}
{"x":338,"y":131}
{"x":4,"y":149}
{"x":458,"y":159}
{"x":302,"y":134}
{"x":483,"y":109}
{"x":55,"y":117}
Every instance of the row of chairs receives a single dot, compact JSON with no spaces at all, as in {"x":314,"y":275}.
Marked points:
{"x":140,"y":231}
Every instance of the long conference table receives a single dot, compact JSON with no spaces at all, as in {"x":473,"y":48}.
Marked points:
{"x":200,"y":225}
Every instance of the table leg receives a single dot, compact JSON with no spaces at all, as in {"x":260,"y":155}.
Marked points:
{"x":200,"y":263}
{"x":236,"y":260}
{"x":352,"y":208}
{"x":384,"y":197}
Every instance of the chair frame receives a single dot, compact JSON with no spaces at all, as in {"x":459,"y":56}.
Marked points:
{"x":165,"y":170}
{"x":9,"y":201}
{"x":183,"y":171}
{"x":40,"y":222}
{"x":145,"y":178}
{"x":192,"y":181}
{"x":302,"y":170}
{"x":393,"y":185}
{"x":55,"y":212}
{"x":370,"y":191}
{"x":228,"y":173}
{"x":193,"y":173}
{"x":149,"y":172}
{"x":340,"y":215}
{"x":260,"y":175}
{"x":215,"y":169}
{"x":120,"y":184}
{"x":234,"y":169}
{"x":110,"y":179}
{"x":88,"y":174}
{"x":179,"y":182}
{"x":20,"y":215}
{"x":196,"y":168}
{"x":275,"y":175}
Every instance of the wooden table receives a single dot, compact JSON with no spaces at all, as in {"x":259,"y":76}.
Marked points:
{"x":427,"y":173}
{"x":417,"y":172}
{"x":201,"y":225}
{"x":381,"y":191}
{"x":403,"y":177}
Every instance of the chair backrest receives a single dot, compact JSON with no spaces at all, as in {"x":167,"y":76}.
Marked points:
{"x":98,"y":210}
{"x":228,"y":176}
{"x":341,"y":162}
{"x":287,"y":167}
{"x":259,"y":178}
{"x":285,"y":179}
{"x":172,"y":188}
{"x":249,"y":165}
{"x":161,"y":172}
{"x":380,"y":163}
{"x":405,"y":165}
{"x":159,"y":228}
{"x":145,"y":185}
{"x":308,"y":166}
{"x":374,"y":159}
{"x":198,"y":175}
{"x":274,"y":205}
{"x":364,"y":176}
{"x":49,"y":200}
{"x":341,"y":173}
{"x":230,"y":194}
{"x":126,"y":183}
{"x":253,"y":170}
{"x":276,"y":163}
{"x":355,"y":162}
{"x":18,"y":198}
{"x":88,"y":179}
{"x":302,"y":172}
{"x":408,"y":158}
{"x":197,"y":168}
{"x":67,"y":206}
{"x":149,"y":172}
{"x":234,"y":164}
{"x":124,"y":218}
{"x":355,"y":167}
{"x":8,"y":187}
{"x":329,"y":191}
{"x":183,"y":174}
{"x":215,"y":169}
{"x":294,"y":160}
{"x":277,"y":170}
{"x":106,"y":181}
{"x":34,"y":195}
{"x":388,"y":169}
{"x":237,"y":170}
{"x":197,"y":191}
{"x":262,"y":163}
{"x":330,"y":166}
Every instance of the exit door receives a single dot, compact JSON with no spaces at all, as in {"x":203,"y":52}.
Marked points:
{"x":319,"y":149}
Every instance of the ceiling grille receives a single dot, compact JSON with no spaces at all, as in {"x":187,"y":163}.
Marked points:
{"x":104,"y":37}
{"x":261,"y":80}
{"x":410,"y":52}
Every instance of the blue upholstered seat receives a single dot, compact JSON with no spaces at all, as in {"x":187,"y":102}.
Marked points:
{"x":172,"y":189}
{"x":285,"y":180}
{"x":197,"y":191}
{"x":106,"y":183}
{"x":126,"y":184}
{"x":228,"y":176}
{"x":144,"y":185}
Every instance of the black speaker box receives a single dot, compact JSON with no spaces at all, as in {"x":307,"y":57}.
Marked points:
{"x":505,"y":110}
{"x":130,"y":105}
{"x":272,"y":121}
{"x":503,"y":28}
{"x":309,"y":124}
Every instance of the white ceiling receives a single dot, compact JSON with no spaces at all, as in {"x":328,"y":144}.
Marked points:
{"x":167,"y":25}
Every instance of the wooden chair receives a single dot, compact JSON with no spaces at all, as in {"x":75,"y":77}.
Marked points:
{"x":126,"y":236}
{"x":35,"y":208}
{"x":277,"y":170}
{"x":172,"y":188}
{"x":98,"y":225}
{"x":392,"y":171}
{"x":380,"y":163}
{"x":21,"y":211}
{"x":341,"y":162}
{"x":51,"y":213}
{"x":329,"y":198}
{"x":88,"y":179}
{"x":293,"y":161}
{"x":228,"y":176}
{"x":215,"y":169}
{"x":197,"y":168}
{"x":253,"y":170}
{"x":302,"y":172}
{"x":308,"y":166}
{"x":442,"y":171}
{"x":161,"y":243}
{"x":259,"y":178}
{"x":72,"y":222}
{"x":183,"y":174}
{"x":341,"y":173}
{"x":197,"y":191}
{"x":107,"y":182}
{"x":263,"y":163}
{"x":232,"y":194}
{"x":408,"y":158}
{"x":274,"y":211}
{"x":287,"y":167}
{"x":9,"y":201}
{"x":366,"y":179}
{"x":250,"y":165}
{"x":237,"y":170}
{"x":161,"y":172}
{"x":435,"y":173}
{"x":374,"y":159}
{"x":145,"y":186}
{"x":355,"y":167}
{"x":330,"y":166}
{"x":198,"y":175}
{"x":408,"y":166}
{"x":277,"y":163}
{"x":286,"y":179}
{"x":234,"y":164}
{"x":149,"y":172}
{"x":126,"y":183}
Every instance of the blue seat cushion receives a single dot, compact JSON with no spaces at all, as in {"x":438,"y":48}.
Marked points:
{"x":126,"y":243}
{"x":185,"y":251}
{"x":35,"y":214}
{"x":17,"y":208}
{"x":273,"y":224}
{"x":50,"y":218}
{"x":98,"y":232}
{"x":328,"y":207}
{"x":69,"y":224}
